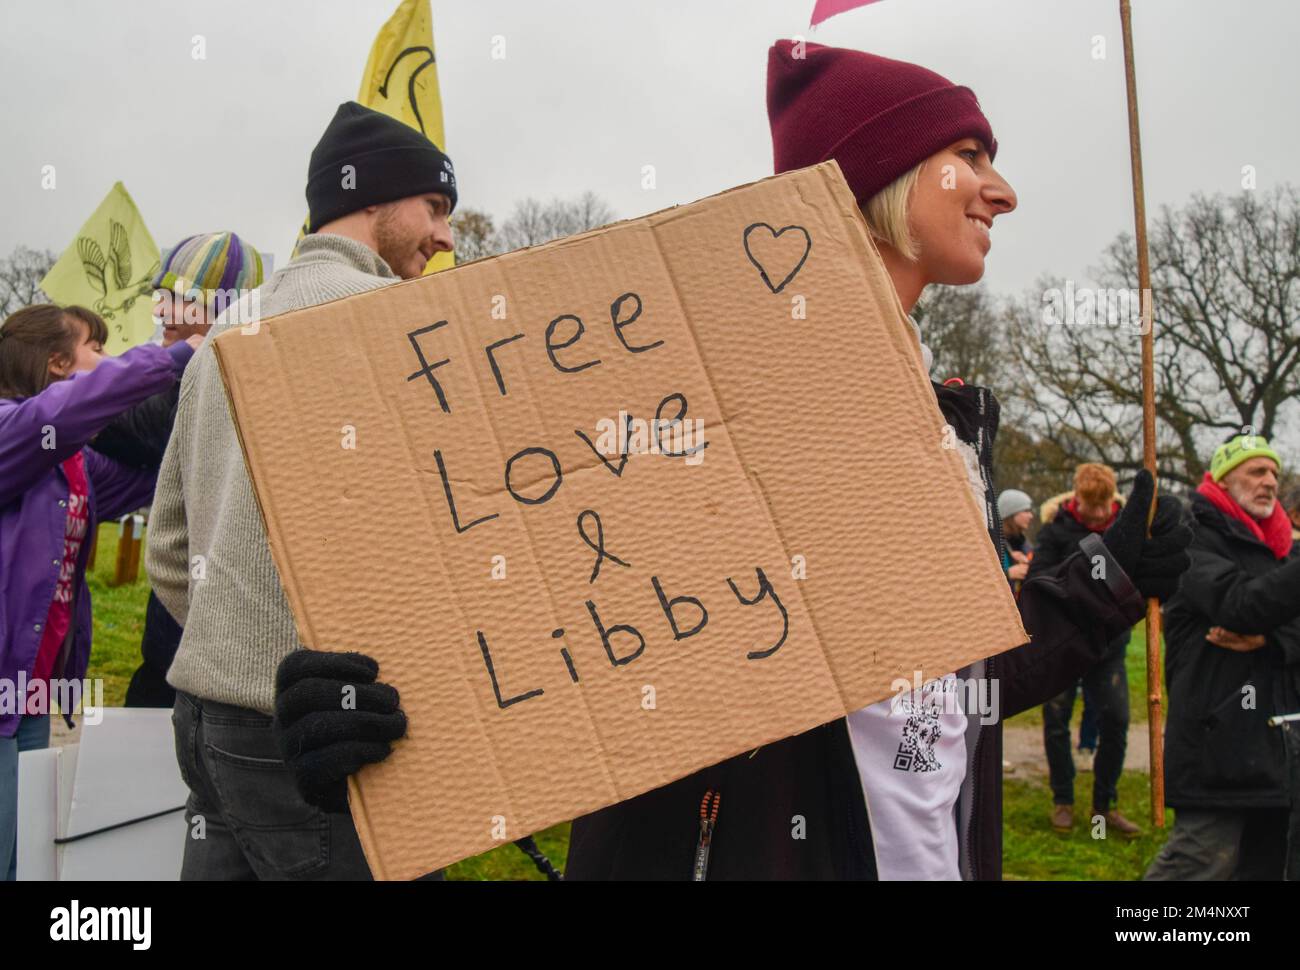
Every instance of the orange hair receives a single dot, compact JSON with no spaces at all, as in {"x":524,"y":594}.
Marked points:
{"x":1094,"y":484}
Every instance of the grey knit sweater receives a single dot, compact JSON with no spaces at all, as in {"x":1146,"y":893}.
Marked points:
{"x":208,"y":558}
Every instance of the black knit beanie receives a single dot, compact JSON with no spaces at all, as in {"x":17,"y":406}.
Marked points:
{"x":389,"y":160}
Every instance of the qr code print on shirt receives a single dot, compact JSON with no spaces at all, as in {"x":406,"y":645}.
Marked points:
{"x":920,"y":732}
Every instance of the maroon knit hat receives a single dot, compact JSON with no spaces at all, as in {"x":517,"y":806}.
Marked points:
{"x":877,"y":117}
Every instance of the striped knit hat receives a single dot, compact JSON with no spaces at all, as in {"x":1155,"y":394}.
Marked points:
{"x":201,"y":265}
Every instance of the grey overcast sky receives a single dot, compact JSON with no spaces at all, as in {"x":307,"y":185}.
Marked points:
{"x":589,"y":91}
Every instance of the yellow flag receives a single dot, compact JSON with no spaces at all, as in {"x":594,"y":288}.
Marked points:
{"x":401,"y":81}
{"x":110,"y":268}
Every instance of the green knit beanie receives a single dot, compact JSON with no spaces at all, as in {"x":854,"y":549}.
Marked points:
{"x":1243,"y":447}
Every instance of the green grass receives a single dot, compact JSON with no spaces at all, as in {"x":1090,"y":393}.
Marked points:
{"x":507,"y":862}
{"x":1031,"y":850}
{"x":119,"y":620}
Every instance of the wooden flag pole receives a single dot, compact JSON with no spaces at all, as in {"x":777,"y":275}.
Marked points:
{"x":1155,"y":701}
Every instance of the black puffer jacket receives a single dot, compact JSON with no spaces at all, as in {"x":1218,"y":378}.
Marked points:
{"x":1219,"y":750}
{"x":813,"y":775}
{"x":138,"y":437}
{"x":1058,"y":539}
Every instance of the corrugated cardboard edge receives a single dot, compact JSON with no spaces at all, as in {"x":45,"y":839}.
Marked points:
{"x":837,"y":186}
{"x":356,"y":803}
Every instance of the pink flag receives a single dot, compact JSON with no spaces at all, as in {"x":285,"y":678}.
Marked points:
{"x":826,"y":9}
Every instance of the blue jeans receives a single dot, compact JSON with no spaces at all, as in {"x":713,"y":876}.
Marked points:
{"x":33,"y":733}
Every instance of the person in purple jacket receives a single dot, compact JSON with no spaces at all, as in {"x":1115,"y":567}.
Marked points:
{"x":57,"y":390}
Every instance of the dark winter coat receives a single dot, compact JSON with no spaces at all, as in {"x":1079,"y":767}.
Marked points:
{"x":1057,"y":540}
{"x":1219,"y":750}
{"x":1070,"y":616}
{"x":138,"y":438}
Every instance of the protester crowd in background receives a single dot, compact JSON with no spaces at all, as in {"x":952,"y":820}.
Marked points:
{"x":225,"y":654}
{"x":1016,"y":511}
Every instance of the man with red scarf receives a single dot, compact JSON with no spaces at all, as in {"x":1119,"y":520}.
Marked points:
{"x":1091,"y":508}
{"x":1232,"y":638}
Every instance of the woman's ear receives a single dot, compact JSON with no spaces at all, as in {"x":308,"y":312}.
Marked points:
{"x":60,"y":366}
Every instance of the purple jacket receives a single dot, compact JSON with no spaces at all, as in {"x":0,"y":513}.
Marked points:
{"x":37,"y":434}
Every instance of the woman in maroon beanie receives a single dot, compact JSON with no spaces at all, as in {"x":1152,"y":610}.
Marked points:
{"x":909,"y":788}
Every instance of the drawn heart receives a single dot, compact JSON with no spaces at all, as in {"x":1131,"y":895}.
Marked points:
{"x":775,"y":253}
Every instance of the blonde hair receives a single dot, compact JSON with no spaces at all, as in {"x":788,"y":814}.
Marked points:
{"x":886,"y":214}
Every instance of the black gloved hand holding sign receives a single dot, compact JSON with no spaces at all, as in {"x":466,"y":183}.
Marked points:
{"x":323,"y":735}
{"x":1154,"y":563}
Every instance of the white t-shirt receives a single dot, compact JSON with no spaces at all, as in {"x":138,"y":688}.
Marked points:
{"x":911,"y":756}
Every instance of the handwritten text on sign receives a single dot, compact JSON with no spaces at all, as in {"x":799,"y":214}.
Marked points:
{"x":533,"y":475}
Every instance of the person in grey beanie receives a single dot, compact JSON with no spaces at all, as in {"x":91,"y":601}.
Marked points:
{"x":379,"y":195}
{"x":1016,"y":512}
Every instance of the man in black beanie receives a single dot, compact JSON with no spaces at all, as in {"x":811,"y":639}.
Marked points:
{"x":382,"y":183}
{"x":379,"y":195}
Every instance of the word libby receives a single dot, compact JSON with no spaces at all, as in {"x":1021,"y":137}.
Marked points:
{"x":632,"y":643}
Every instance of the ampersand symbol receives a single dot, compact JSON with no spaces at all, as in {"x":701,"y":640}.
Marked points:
{"x":598,"y":546}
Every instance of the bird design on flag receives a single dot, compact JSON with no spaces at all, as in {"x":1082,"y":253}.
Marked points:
{"x":121,"y":292}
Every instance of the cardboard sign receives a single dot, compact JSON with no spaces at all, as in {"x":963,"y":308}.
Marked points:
{"x":616,"y":508}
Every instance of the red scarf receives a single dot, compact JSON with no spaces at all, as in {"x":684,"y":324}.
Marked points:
{"x":1274,"y":532}
{"x":1072,"y":507}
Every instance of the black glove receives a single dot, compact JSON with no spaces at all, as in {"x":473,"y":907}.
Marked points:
{"x":1156,"y":562}
{"x":322,"y":740}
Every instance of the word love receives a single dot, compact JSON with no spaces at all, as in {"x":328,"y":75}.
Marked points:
{"x":535,"y":467}
{"x":686,"y":616}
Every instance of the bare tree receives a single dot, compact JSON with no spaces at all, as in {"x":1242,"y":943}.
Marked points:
{"x":475,"y":235}
{"x":534,"y":222}
{"x":1226,"y":304}
{"x":21,"y":273}
{"x":962,"y":326}
{"x":589,"y":211}
{"x":965,"y":329}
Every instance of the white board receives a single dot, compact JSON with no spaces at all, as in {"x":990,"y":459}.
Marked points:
{"x":126,"y":772}
{"x":44,"y":799}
